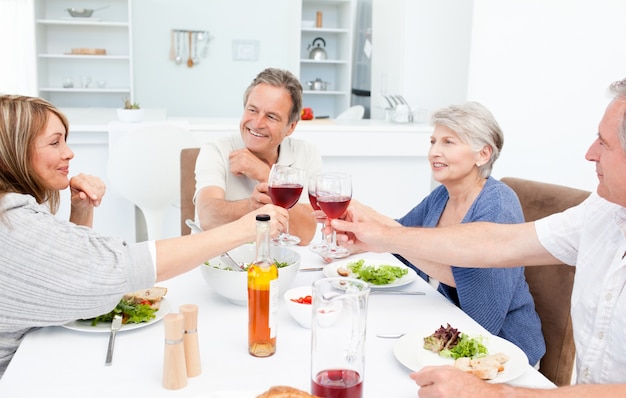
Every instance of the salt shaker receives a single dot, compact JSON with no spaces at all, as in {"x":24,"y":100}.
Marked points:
{"x":174,"y":368}
{"x":190,"y":339}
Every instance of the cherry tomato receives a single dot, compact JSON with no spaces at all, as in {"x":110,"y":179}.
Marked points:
{"x":303,"y":300}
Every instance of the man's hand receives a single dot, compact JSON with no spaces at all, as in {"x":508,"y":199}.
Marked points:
{"x":448,"y":381}
{"x":260,"y":196}
{"x":245,"y":163}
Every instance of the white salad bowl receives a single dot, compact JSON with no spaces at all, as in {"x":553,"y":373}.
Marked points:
{"x":233,"y":285}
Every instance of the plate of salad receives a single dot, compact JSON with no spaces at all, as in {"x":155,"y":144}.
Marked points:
{"x":143,"y":318}
{"x":379,"y":276}
{"x":415,"y":350}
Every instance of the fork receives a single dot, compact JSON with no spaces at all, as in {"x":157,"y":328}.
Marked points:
{"x":116,"y":324}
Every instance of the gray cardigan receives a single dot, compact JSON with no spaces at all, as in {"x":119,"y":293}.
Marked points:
{"x":53,"y":271}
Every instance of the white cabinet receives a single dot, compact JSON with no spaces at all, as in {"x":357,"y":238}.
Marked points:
{"x":336,"y":34}
{"x":69,"y":78}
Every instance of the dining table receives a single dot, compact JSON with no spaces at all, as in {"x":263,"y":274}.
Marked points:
{"x":58,"y":361}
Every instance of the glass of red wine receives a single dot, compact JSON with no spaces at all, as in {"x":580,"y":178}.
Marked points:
{"x":285,"y":185}
{"x":334,"y":192}
{"x":320,"y":247}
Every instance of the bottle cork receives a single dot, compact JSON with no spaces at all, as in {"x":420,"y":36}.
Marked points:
{"x":174,"y":368}
{"x":190,"y":339}
{"x":318,"y":19}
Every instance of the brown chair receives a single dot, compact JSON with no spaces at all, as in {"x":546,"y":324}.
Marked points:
{"x":187,"y":187}
{"x":551,"y":285}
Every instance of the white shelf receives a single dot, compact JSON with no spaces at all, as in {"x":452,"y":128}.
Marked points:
{"x":110,"y":75}
{"x":86,"y":57}
{"x":85,"y":90}
{"x":336,"y":31}
{"x":83,"y":22}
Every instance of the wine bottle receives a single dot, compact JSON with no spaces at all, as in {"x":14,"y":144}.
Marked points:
{"x":262,"y":294}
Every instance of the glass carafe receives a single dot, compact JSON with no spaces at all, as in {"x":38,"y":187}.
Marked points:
{"x":338,"y":337}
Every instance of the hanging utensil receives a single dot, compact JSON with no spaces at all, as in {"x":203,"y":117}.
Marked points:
{"x":195,"y":58}
{"x":179,"y":58}
{"x":190,"y":58}
{"x":172,"y":46}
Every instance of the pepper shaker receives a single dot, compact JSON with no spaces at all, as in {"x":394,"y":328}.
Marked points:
{"x":174,"y":368}
{"x":190,"y":339}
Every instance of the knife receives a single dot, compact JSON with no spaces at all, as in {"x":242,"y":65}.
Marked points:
{"x":116,"y":324}
{"x":411,"y":293}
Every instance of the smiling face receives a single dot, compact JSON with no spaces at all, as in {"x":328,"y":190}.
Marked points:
{"x":265,"y":121}
{"x":51,"y":155}
{"x":609,"y":155}
{"x":451,"y":159}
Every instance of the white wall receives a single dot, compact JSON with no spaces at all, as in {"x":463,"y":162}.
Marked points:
{"x":214,"y":87}
{"x":543,"y":67}
{"x":421,"y":51}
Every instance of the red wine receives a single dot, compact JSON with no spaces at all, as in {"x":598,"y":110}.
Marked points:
{"x":334,"y":206}
{"x":313,"y":200}
{"x":337,"y":383}
{"x":286,"y":195}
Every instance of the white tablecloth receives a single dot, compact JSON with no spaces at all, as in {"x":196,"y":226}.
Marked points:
{"x":56,"y":361}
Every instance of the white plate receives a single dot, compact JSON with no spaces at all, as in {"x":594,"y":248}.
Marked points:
{"x":330,"y":271}
{"x":105,"y":327}
{"x":409,"y":350}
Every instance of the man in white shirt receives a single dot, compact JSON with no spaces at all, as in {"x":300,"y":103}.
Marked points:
{"x":232,"y":172}
{"x":591,"y":237}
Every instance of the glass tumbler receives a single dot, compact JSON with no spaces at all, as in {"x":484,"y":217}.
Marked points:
{"x":338,"y":337}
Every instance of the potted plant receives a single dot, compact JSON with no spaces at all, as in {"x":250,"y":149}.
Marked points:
{"x":130,"y":113}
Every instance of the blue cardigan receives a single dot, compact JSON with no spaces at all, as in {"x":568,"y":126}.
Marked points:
{"x":496,"y":298}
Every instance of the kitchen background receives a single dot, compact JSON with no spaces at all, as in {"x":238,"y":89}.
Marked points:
{"x":542,"y":67}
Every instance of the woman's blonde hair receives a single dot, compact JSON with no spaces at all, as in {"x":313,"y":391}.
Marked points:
{"x":21,"y":120}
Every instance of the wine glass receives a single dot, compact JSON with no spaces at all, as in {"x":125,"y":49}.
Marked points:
{"x":321,"y":247}
{"x":285,"y":186}
{"x":334,"y":192}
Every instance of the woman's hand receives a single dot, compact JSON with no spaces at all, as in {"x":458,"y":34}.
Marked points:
{"x":279,"y":218}
{"x":87,"y":191}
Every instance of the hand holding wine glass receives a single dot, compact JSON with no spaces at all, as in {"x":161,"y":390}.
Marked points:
{"x":285,"y":186}
{"x":334,"y":193}
{"x":321,"y":247}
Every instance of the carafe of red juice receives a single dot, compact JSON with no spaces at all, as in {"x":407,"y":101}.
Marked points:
{"x":338,"y":337}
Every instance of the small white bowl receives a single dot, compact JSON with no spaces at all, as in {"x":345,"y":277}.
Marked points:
{"x":301,"y":312}
{"x":233,"y":285}
{"x":130,"y":115}
{"x":308,"y":23}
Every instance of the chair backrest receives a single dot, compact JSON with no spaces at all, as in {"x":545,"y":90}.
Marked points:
{"x":355,"y":112}
{"x":187,"y":187}
{"x":143,"y":167}
{"x":551,"y":284}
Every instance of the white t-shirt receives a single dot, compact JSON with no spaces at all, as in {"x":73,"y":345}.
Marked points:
{"x":592,"y":236}
{"x":213,"y":166}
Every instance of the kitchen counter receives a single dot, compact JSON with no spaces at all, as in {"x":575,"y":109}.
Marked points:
{"x":386,"y":160}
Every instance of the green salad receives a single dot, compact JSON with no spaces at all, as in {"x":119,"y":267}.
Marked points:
{"x":377,"y":274}
{"x":131,"y":313}
{"x":279,"y":264}
{"x":466,"y":347}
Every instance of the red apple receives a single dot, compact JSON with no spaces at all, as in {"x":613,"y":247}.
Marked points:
{"x":307,"y":114}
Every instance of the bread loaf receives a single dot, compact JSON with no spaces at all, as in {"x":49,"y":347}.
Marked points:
{"x":285,"y":392}
{"x":487,"y":368}
{"x":153,"y":295}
